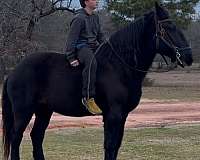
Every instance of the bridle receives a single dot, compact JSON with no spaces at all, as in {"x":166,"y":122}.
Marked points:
{"x":161,"y":34}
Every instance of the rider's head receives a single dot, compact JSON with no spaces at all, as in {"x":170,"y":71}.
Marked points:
{"x":92,"y":4}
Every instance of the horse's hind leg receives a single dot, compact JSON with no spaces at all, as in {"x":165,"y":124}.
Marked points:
{"x":37,"y":134}
{"x":21,"y":121}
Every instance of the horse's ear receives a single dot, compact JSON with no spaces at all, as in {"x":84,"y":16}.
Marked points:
{"x":158,"y":7}
{"x":161,"y":12}
{"x":156,"y":4}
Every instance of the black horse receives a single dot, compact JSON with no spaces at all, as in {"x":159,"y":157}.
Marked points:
{"x":44,"y":83}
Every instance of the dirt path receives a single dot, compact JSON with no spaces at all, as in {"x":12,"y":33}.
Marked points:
{"x":148,"y":114}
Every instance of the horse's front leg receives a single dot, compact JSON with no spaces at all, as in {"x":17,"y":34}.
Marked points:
{"x":113,"y":133}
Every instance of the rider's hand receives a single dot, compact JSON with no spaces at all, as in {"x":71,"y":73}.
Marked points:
{"x":74,"y":63}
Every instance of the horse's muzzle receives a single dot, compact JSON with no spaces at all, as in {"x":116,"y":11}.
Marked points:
{"x":187,"y":57}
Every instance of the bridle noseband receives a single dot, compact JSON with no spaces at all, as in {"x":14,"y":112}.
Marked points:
{"x":162,"y":34}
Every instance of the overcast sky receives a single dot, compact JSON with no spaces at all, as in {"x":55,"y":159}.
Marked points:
{"x":76,"y":3}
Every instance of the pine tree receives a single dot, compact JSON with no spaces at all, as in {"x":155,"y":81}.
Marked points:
{"x":180,"y":10}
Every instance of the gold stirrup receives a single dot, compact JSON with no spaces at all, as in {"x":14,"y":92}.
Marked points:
{"x":91,"y":106}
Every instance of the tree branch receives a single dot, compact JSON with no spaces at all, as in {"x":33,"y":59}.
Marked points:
{"x":43,"y":4}
{"x":9,"y":7}
{"x":52,"y":10}
{"x":34,"y":18}
{"x":53,"y":4}
{"x":35,"y":7}
{"x":69,"y":4}
{"x":14,"y":12}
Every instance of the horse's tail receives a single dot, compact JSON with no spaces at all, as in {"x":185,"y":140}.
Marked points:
{"x":7,"y":121}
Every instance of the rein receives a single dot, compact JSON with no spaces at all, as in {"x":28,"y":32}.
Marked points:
{"x":160,"y":35}
{"x":124,"y":63}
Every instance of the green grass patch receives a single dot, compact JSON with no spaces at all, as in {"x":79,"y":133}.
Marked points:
{"x":178,"y":93}
{"x":173,"y":143}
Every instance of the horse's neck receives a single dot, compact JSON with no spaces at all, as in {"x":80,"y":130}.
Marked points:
{"x":148,"y":47}
{"x":137,"y":51}
{"x":127,"y":42}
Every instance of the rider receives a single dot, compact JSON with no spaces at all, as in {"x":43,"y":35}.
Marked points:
{"x":84,"y":37}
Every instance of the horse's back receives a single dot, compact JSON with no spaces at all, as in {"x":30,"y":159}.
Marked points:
{"x":46,"y":78}
{"x":40,"y":67}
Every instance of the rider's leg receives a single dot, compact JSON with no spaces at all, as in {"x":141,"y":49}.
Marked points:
{"x":86,"y":57}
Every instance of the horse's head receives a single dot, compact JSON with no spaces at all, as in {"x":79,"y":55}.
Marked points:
{"x":170,"y":40}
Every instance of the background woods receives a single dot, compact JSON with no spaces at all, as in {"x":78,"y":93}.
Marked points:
{"x":28,"y":26}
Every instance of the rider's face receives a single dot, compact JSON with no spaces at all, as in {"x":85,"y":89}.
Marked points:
{"x":92,"y":4}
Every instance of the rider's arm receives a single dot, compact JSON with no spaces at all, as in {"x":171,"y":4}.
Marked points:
{"x":74,"y":32}
{"x":100,"y":36}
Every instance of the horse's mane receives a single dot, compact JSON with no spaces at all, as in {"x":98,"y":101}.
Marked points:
{"x":127,"y":42}
{"x":127,"y":38}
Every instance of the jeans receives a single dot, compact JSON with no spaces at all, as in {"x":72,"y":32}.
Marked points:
{"x":86,"y":57}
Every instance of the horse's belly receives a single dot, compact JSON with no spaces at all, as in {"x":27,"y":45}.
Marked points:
{"x":69,"y":107}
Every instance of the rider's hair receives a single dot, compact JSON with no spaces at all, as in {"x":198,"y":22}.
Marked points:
{"x":82,"y":3}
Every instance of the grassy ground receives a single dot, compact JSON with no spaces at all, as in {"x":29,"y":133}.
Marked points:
{"x":173,"y":143}
{"x":178,"y":93}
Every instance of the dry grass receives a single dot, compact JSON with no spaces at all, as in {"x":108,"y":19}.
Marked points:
{"x":173,"y":143}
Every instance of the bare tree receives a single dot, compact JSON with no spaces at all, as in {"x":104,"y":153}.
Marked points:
{"x":40,"y":10}
{"x":18,"y":19}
